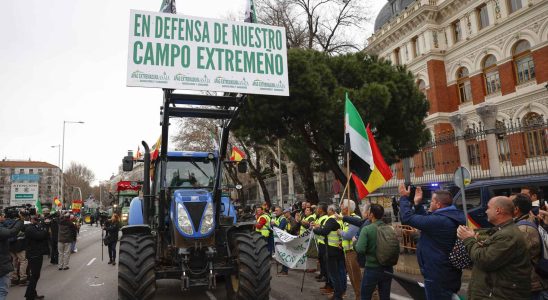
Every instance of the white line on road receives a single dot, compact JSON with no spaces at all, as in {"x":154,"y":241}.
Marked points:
{"x":91,"y":261}
{"x":210,"y":295}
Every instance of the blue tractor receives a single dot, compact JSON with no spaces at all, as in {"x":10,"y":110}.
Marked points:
{"x":183,"y":227}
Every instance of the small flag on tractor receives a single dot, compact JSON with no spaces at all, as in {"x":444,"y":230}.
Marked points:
{"x":237,"y":154}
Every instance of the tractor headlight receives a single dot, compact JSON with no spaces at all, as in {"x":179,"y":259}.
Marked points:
{"x":207,"y":222}
{"x":124,"y":217}
{"x":184,"y":220}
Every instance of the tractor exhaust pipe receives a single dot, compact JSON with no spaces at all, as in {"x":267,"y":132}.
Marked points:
{"x":146,"y":184}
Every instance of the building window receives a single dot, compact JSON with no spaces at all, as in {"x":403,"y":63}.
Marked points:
{"x":457,"y":31}
{"x":483,"y":16}
{"x":523,"y":62}
{"x":422,"y":86}
{"x":31,"y":171}
{"x":491,"y":73}
{"x":473,"y":154}
{"x":397,"y":56}
{"x":536,"y":141}
{"x":428,"y":159}
{"x":514,"y":5}
{"x":415,"y":46}
{"x":464,"y":87}
{"x":21,"y":171}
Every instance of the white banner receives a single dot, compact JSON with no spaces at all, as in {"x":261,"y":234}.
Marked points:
{"x":187,"y":53}
{"x":290,"y":249}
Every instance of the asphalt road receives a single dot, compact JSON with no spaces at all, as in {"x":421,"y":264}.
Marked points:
{"x":90,"y":278}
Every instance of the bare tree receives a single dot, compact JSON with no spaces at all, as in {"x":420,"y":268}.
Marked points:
{"x":196,"y":135}
{"x":331,"y":26}
{"x":78,"y":175}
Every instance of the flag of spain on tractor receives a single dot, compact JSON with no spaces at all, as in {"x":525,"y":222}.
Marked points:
{"x":368,"y":169}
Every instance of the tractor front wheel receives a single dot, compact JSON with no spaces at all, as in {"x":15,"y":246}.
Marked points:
{"x":136,"y":278}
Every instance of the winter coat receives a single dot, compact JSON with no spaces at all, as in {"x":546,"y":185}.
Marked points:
{"x":53,"y":228}
{"x":532,"y":239}
{"x":37,"y":240}
{"x":112,"y":232}
{"x":5,"y":234}
{"x":502,"y":267}
{"x":67,"y":231}
{"x":437,"y":238}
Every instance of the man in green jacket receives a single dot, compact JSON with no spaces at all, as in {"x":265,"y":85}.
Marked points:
{"x":502,"y":267}
{"x":374,"y":274}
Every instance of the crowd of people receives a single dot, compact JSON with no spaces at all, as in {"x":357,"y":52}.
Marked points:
{"x":506,"y":260}
{"x":26,"y":237}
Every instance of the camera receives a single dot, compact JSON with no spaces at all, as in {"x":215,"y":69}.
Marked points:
{"x":412,"y":190}
{"x":13,"y":212}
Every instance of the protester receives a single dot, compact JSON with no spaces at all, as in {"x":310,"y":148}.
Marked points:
{"x":335,"y":257}
{"x":374,"y":274}
{"x":437,"y":238}
{"x":347,"y":233}
{"x":304,"y":221}
{"x":37,"y":246}
{"x":501,"y":262}
{"x":52,"y":226}
{"x":76,"y":220}
{"x":18,"y":255}
{"x":532,"y":192}
{"x":112,"y":227}
{"x":67,"y":235}
{"x":321,"y":217}
{"x":395,"y":208}
{"x":282,"y":223}
{"x":7,"y":230}
{"x":526,"y":224}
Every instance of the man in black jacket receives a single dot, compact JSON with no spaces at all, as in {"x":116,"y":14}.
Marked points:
{"x":37,"y":246}
{"x":52,"y":226}
{"x":6,"y":266}
{"x":335,"y":256}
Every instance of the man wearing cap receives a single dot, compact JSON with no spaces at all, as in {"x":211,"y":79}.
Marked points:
{"x":67,"y":235}
{"x":52,"y":226}
{"x":37,"y":246}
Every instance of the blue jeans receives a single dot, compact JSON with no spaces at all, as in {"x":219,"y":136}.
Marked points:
{"x":4,"y":286}
{"x":336,"y":272}
{"x":434,"y":291}
{"x":373,"y":277}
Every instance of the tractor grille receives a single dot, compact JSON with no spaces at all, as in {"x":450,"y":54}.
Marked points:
{"x":195,"y":210}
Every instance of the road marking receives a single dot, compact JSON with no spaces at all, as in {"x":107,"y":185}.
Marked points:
{"x":210,"y":295}
{"x":398,"y":297}
{"x":97,"y":284}
{"x":91,"y":261}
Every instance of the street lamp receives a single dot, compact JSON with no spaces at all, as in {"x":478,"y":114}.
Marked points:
{"x":63,"y":157}
{"x":59,"y":166}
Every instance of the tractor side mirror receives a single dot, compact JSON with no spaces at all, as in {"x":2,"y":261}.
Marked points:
{"x":242,"y":166}
{"x":127,"y":163}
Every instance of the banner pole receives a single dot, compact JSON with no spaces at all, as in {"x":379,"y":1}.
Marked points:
{"x":302,"y":282}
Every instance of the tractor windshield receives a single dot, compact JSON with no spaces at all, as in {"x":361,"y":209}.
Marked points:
{"x":190,"y":173}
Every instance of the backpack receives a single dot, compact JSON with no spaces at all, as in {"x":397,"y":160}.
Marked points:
{"x":541,"y":267}
{"x":388,"y":245}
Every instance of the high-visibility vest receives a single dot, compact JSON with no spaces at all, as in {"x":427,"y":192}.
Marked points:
{"x":347,"y":244}
{"x":265,"y":230}
{"x":278,"y":220}
{"x":333,"y":238}
{"x":321,"y":221}
{"x":308,"y":219}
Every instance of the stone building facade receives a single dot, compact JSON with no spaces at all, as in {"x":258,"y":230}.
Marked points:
{"x":483,"y":66}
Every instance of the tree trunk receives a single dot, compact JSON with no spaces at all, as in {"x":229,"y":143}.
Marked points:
{"x":256,"y":170}
{"x":307,"y":177}
{"x":290,"y":182}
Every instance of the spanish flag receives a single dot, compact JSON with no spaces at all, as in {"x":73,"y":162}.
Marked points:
{"x":57,"y":203}
{"x":237,"y":154}
{"x":155,"y":152}
{"x":368,"y":168}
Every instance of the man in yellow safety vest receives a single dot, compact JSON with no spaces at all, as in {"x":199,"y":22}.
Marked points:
{"x":347,"y":232}
{"x":282,"y":223}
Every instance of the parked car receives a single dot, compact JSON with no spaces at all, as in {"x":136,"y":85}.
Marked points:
{"x":478,"y":194}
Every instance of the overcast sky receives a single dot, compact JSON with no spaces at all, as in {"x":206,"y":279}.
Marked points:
{"x":66,"y":60}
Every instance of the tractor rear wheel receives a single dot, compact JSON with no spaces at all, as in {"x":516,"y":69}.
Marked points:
{"x":136,"y":278}
{"x":252,"y":281}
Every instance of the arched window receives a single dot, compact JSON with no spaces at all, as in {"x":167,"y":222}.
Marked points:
{"x":523,"y":60}
{"x":491,"y":73}
{"x":536,"y":139}
{"x":464,"y":87}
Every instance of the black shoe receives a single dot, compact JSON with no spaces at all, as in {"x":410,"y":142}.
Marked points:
{"x":113,"y":263}
{"x":60,"y":269}
{"x":110,"y":262}
{"x":65,"y":268}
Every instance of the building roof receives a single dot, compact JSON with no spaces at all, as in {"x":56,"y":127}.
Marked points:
{"x":25,"y":164}
{"x":389,"y":10}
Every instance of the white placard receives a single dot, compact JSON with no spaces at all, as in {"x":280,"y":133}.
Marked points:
{"x":189,"y":53}
{"x":291,"y":249}
{"x":23,"y":193}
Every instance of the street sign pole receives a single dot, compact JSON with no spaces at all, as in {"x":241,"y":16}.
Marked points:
{"x":462,"y":178}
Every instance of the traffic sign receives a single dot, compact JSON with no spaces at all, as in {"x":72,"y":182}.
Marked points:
{"x":462,"y":177}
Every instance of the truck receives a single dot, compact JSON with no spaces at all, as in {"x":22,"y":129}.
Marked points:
{"x":183,"y":227}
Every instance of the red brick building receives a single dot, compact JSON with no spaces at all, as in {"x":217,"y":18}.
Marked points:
{"x":483,"y":66}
